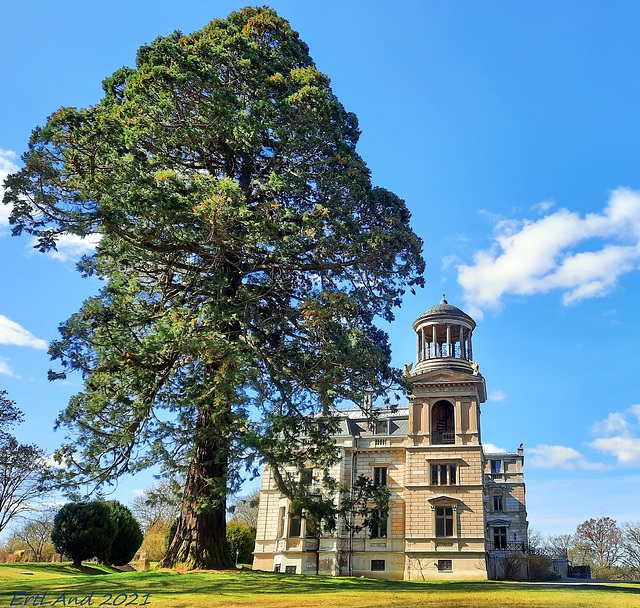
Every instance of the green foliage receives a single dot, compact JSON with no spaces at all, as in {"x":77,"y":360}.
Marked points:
{"x":83,"y":530}
{"x":242,"y":540}
{"x":170,"y":534}
{"x":128,"y":536}
{"x":245,"y":254}
{"x":106,"y":530}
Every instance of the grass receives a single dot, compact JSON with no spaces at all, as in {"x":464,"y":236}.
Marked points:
{"x":270,"y":590}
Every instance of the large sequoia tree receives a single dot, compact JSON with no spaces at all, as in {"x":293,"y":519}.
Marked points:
{"x":245,"y":256}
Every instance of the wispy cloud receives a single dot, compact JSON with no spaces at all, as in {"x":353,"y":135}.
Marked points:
{"x":497,"y":395}
{"x":619,"y":435}
{"x":6,"y":370}
{"x":581,"y":257}
{"x":559,"y":456}
{"x":7,"y":166}
{"x":14,"y":334}
{"x":72,"y":247}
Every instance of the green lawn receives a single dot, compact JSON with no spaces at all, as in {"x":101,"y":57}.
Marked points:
{"x":99,"y":585}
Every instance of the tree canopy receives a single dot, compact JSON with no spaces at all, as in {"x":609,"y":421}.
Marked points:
{"x":245,"y":256}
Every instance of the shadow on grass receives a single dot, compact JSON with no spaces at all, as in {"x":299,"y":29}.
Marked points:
{"x":64,"y":569}
{"x":250,"y":584}
{"x":254,"y":583}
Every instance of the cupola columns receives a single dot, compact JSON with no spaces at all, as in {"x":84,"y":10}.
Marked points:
{"x":443,"y":332}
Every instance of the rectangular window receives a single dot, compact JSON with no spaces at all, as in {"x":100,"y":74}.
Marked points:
{"x":444,"y":521}
{"x":497,"y":502}
{"x":311,"y":528}
{"x":381,"y":427}
{"x":496,"y":466}
{"x":444,"y":474}
{"x":295,"y":525}
{"x":445,"y":565}
{"x":378,"y":565}
{"x":281,"y":521}
{"x":290,"y":569}
{"x":276,"y":568}
{"x":306,"y":477}
{"x":380,"y":476}
{"x":500,"y":538}
{"x":378,"y":526}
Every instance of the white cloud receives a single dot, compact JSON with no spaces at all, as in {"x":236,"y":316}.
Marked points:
{"x":529,"y":257}
{"x":489,"y":448}
{"x":559,"y":456}
{"x":71,"y":246}
{"x":613,"y":423}
{"x":619,"y":435}
{"x":497,"y":395}
{"x":542,"y":207}
{"x":449,"y":260}
{"x":12,"y":333}
{"x":625,"y":448}
{"x":7,"y":166}
{"x":6,"y":370}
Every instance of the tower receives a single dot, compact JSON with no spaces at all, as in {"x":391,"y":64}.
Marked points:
{"x":454,"y":512}
{"x":445,"y":523}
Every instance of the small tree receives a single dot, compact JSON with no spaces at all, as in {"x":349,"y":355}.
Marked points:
{"x":244,"y":509}
{"x":631,"y":554}
{"x":242,"y":540}
{"x":127,"y":538}
{"x":21,"y":467}
{"x":157,"y":506}
{"x":599,"y":543}
{"x":82,"y":530}
{"x":36,"y":534}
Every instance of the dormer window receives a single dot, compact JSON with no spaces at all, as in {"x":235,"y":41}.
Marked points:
{"x":381,"y":427}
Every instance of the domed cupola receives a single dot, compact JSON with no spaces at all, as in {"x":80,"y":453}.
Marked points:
{"x":444,"y":339}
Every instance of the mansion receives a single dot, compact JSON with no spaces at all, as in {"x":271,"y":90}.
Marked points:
{"x":455,"y":511}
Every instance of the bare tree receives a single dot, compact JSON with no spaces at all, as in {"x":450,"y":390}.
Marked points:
{"x":244,"y":509}
{"x":36,"y":533}
{"x":158,"y":505}
{"x":21,"y":467}
{"x":631,"y":554}
{"x":599,"y":542}
{"x":558,"y":545}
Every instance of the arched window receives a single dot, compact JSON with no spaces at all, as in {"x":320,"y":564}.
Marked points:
{"x":442,"y":423}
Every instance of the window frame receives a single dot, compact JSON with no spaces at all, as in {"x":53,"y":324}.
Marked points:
{"x":377,"y":429}
{"x":444,"y":515}
{"x":445,"y":565}
{"x":500,"y":538}
{"x":378,"y":526}
{"x":375,"y":563}
{"x":380,"y":475}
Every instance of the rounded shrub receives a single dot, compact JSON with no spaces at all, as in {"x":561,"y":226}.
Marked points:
{"x":128,"y":536}
{"x":82,"y":530}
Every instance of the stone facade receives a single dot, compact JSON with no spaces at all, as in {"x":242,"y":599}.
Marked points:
{"x":454,"y":511}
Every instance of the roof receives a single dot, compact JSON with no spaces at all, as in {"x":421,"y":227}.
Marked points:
{"x":447,"y":310}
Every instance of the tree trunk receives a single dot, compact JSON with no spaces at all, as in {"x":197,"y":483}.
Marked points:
{"x":201,"y":536}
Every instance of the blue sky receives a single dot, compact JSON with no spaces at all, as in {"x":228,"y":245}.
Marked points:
{"x":511,"y":129}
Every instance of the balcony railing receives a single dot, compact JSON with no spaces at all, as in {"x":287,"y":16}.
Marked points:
{"x":440,"y":437}
{"x":507,"y":547}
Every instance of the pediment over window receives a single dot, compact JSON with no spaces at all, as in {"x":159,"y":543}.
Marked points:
{"x":498,"y":523}
{"x":443,"y":499}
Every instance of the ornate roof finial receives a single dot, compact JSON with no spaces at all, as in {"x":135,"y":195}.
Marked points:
{"x":443,"y":299}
